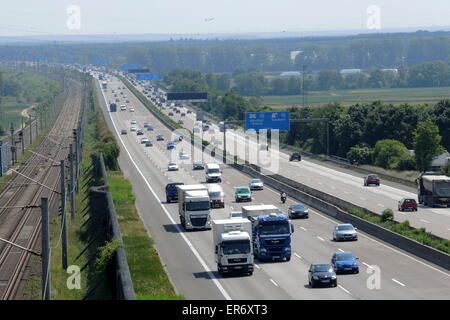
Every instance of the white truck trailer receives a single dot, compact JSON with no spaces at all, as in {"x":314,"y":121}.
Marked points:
{"x":232,"y":239}
{"x":194,"y":206}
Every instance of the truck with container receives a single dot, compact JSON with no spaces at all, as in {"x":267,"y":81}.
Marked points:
{"x":216,"y":196}
{"x":233,"y":250}
{"x":434,"y":189}
{"x":194,"y":206}
{"x":271,"y":232}
{"x":104,"y":85}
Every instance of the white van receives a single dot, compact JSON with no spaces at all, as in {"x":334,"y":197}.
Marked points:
{"x":213,"y":173}
{"x":216,"y":196}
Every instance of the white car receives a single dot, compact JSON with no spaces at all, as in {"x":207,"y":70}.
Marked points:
{"x":133,"y":121}
{"x":133,"y":128}
{"x":144,"y":140}
{"x":236,"y":215}
{"x":173,"y":166}
{"x":183,"y":155}
{"x":131,"y":109}
{"x":123,"y":108}
{"x":256,"y":184}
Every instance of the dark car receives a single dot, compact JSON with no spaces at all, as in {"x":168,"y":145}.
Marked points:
{"x":180,"y":122}
{"x":198,"y":165}
{"x":172,"y":191}
{"x":149,"y":143}
{"x":298,"y":210}
{"x":322,"y":274}
{"x":170,"y":113}
{"x":159,"y":137}
{"x":345,"y":262}
{"x":170,"y":145}
{"x":150,"y":127}
{"x":140,"y":132}
{"x":178,"y":111}
{"x":295,"y":156}
{"x":124,"y":131}
{"x":371,"y":179}
{"x":189,"y":111}
{"x":182,"y":114}
{"x":407,"y":204}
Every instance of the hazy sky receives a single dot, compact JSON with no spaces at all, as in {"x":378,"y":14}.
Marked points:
{"x":19,"y":17}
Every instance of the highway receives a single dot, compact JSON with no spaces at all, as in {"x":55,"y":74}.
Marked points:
{"x":188,"y":256}
{"x":343,"y":185}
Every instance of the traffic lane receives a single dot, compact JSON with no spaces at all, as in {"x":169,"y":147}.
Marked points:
{"x":258,"y":289}
{"x":435,"y":220}
{"x":175,"y":255}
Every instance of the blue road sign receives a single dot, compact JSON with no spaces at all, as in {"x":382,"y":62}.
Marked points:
{"x":267,"y":120}
{"x":129,"y":66}
{"x":148,"y":76}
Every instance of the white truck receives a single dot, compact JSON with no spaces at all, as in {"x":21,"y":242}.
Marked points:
{"x":216,"y":195}
{"x":194,"y":206}
{"x":213,"y":173}
{"x":232,"y":239}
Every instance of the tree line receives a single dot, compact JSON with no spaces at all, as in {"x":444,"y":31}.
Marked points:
{"x":261,"y":55}
{"x":369,"y":133}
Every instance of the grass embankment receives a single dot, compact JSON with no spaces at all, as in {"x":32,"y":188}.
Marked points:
{"x":148,"y":275}
{"x":403,"y":228}
{"x":349,"y":97}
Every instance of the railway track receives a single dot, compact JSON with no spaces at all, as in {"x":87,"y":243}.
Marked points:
{"x":22,"y":226}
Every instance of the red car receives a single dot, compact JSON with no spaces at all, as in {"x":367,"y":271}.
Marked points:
{"x":371,"y":179}
{"x":407,"y":204}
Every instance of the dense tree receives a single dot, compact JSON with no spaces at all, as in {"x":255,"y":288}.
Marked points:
{"x":389,"y":153}
{"x":426,"y":144}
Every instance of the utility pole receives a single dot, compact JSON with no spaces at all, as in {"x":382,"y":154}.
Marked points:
{"x":31,"y":129}
{"x":22,"y":138}
{"x":63,"y":216}
{"x":46,"y":276}
{"x":13,"y":145}
{"x":72,"y":189}
{"x":303,"y":84}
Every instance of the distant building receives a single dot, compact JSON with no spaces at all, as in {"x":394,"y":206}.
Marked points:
{"x":294,"y":54}
{"x":390,"y":70}
{"x":350,"y":71}
{"x":290,"y":74}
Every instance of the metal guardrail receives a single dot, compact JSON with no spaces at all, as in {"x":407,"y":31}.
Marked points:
{"x":104,"y":202}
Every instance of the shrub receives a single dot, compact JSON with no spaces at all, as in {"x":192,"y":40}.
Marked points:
{"x":360,"y":155}
{"x":387,"y":215}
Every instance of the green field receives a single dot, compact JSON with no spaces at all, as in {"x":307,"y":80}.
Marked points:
{"x":13,"y":114}
{"x":349,"y":97}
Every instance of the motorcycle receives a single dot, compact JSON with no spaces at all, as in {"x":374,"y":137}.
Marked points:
{"x":283,"y":199}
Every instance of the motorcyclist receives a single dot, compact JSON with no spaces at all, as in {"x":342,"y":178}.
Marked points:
{"x":283,"y":197}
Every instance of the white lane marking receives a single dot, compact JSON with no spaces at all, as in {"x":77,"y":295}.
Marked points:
{"x":297,"y":255}
{"x":274,"y":282}
{"x":372,"y":239}
{"x":180,"y":232}
{"x":362,"y":198}
{"x":398,"y":282}
{"x":367,"y":265}
{"x":320,"y":182}
{"x":340,"y":250}
{"x":320,"y":238}
{"x":256,"y":266}
{"x":302,"y":228}
{"x":346,"y":192}
{"x":345,"y":290}
{"x":380,"y":205}
{"x":423,"y":220}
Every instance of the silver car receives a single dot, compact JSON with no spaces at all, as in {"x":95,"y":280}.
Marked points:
{"x":345,"y":231}
{"x":256,"y":184}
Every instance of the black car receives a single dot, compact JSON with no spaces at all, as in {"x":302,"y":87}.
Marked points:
{"x":198,"y":165}
{"x":172,"y":191}
{"x":149,"y":143}
{"x":298,"y":210}
{"x":295,"y":156}
{"x":150,"y":127}
{"x":322,"y":274}
{"x":159,"y":137}
{"x":140,"y":132}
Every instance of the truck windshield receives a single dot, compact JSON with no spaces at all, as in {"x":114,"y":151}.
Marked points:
{"x":269,"y":229}
{"x":214,"y":170}
{"x":236,"y":247}
{"x":215,"y":195}
{"x":197,"y":206}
